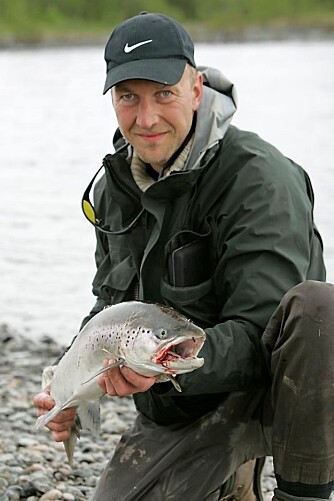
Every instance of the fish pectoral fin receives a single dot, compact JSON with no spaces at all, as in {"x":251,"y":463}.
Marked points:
{"x":168,"y":377}
{"x":175,"y":384}
{"x":89,"y":416}
{"x":118,"y":362}
{"x":43,"y":420}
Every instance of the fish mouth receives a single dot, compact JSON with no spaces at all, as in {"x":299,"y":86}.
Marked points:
{"x":180,"y":354}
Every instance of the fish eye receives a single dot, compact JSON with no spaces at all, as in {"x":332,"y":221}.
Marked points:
{"x":162,"y":334}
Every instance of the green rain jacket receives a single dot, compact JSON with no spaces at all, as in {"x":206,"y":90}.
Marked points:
{"x":240,"y":218}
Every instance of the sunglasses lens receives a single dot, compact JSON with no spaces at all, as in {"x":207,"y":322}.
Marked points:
{"x":89,"y":211}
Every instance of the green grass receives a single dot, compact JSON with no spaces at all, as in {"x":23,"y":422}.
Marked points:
{"x":37,"y":21}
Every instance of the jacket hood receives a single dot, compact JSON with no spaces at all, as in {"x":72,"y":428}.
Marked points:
{"x":220,"y":97}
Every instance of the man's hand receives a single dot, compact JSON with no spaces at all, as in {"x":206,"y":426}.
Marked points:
{"x":119,"y":381}
{"x":61,"y":424}
{"x":122,"y":381}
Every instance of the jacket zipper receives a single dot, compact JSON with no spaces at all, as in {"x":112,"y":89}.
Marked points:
{"x":135,"y":290}
{"x":124,"y":188}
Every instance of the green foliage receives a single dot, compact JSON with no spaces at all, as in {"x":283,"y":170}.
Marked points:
{"x":33,"y":18}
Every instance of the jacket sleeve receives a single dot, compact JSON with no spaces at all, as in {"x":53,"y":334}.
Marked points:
{"x":266,"y":243}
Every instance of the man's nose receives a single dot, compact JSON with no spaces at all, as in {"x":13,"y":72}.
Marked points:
{"x":147,"y":115}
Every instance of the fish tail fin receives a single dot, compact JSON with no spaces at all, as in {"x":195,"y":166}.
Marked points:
{"x":89,"y":415}
{"x":69,"y":445}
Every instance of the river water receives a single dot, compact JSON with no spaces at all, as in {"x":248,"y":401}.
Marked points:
{"x":56,"y":126}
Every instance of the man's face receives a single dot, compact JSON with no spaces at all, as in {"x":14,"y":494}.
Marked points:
{"x":156,"y":118}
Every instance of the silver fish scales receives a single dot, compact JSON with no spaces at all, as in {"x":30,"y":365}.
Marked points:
{"x":149,"y":338}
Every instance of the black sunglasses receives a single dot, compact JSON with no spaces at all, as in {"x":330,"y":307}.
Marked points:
{"x":90,"y":214}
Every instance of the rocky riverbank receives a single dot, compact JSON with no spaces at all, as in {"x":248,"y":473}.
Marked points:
{"x":32,"y":466}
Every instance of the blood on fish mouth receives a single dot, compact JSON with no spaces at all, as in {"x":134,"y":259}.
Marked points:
{"x":166,"y":355}
{"x":185,"y":349}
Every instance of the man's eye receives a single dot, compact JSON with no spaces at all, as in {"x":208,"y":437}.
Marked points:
{"x":166,"y":93}
{"x":127,"y":97}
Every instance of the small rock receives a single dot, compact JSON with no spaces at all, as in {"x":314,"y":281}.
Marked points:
{"x":76,"y":492}
{"x":26,"y":442}
{"x":14,"y":493}
{"x":3,"y":485}
{"x":91,"y":481}
{"x":68,"y":497}
{"x":41,"y":447}
{"x":33,"y":468}
{"x":28,"y":489}
{"x":80,"y":472}
{"x":42,"y":485}
{"x":52,"y":495}
{"x":6,"y":458}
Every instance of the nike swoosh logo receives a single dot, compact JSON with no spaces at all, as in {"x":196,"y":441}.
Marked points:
{"x":129,"y":48}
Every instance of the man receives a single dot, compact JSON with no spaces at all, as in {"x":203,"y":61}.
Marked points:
{"x":194,"y":213}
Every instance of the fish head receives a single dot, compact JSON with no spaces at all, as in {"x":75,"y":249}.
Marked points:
{"x":159,"y":340}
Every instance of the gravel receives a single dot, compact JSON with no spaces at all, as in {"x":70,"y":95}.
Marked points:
{"x":32,"y":466}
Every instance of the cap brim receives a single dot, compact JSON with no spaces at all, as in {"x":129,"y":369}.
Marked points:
{"x":165,"y":71}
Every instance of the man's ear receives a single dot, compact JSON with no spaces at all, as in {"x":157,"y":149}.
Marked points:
{"x":197,"y":90}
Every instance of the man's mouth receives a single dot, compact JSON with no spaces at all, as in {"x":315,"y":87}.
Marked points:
{"x":151,"y":138}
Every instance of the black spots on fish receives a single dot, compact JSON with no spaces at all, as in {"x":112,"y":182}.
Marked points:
{"x":131,"y":335}
{"x":146,"y":331}
{"x":89,"y":345}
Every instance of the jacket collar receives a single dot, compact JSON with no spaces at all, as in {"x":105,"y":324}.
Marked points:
{"x":220,"y":97}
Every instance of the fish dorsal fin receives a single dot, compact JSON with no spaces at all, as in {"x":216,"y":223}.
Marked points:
{"x":89,"y":415}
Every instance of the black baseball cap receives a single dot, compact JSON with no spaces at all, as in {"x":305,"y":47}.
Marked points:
{"x":148,"y":47}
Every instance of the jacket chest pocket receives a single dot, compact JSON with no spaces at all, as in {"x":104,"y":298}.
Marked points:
{"x":114,"y":276}
{"x":187,"y":284}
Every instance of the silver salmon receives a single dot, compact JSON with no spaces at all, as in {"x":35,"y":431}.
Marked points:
{"x":149,"y":338}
